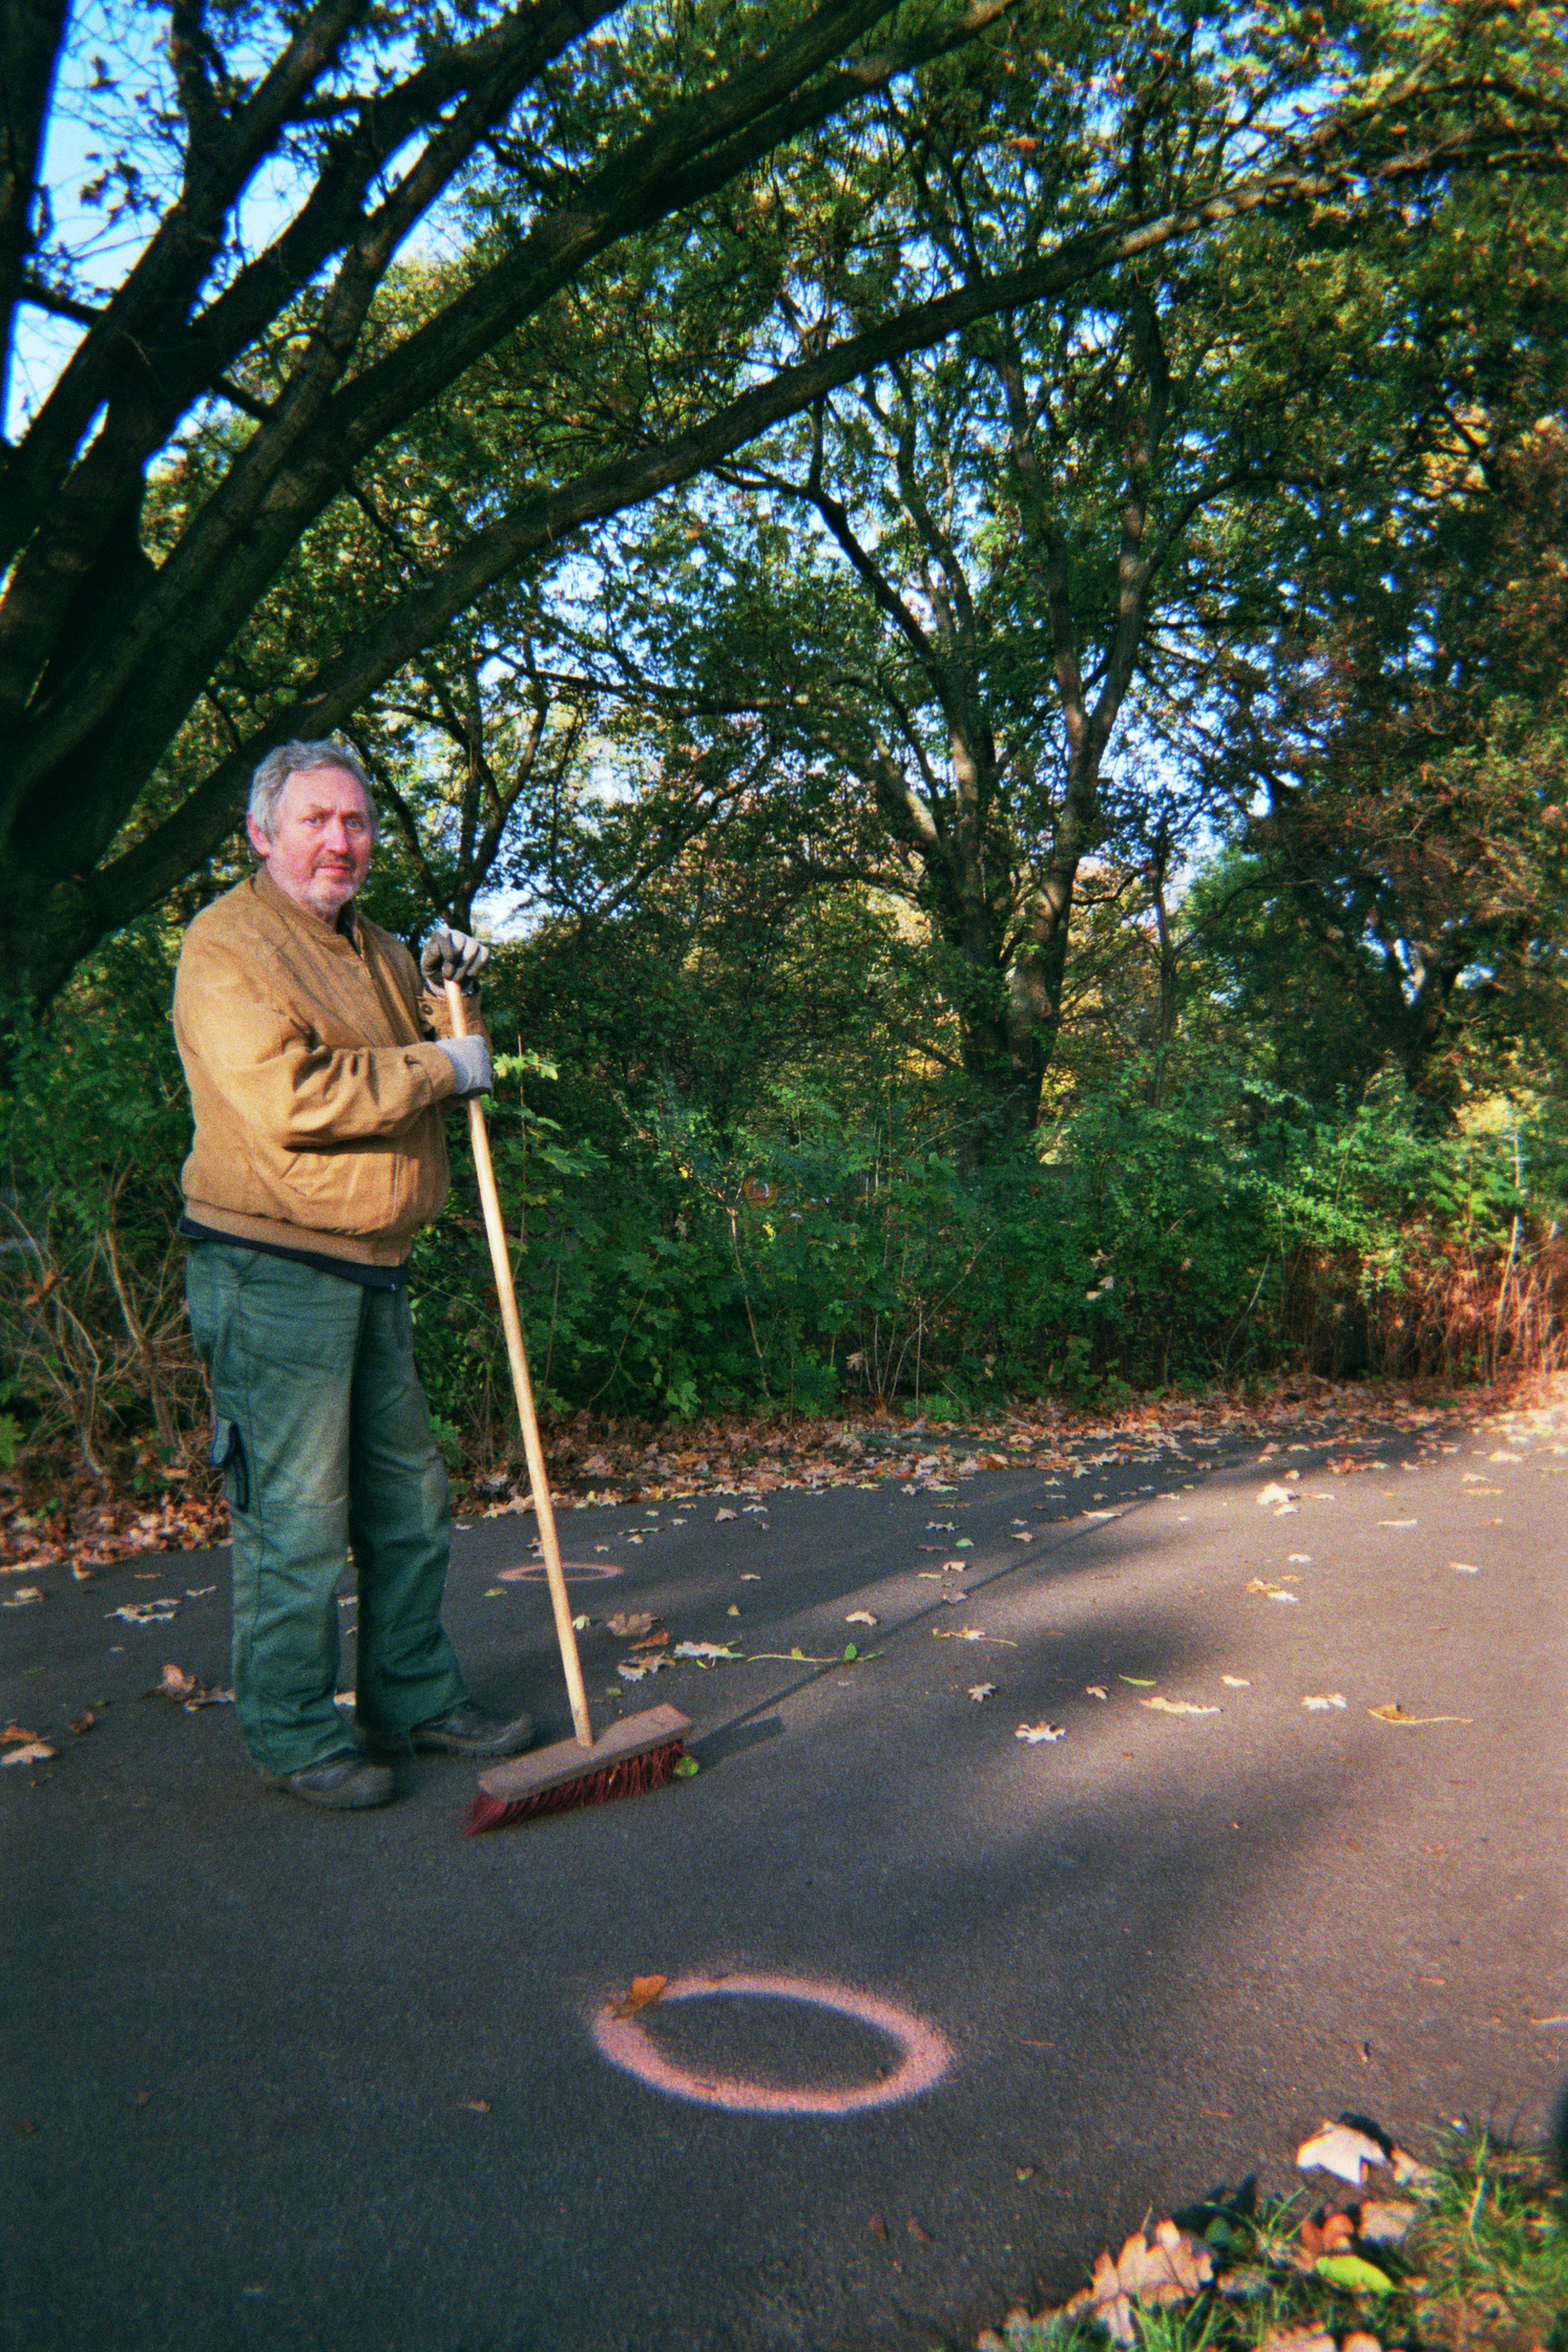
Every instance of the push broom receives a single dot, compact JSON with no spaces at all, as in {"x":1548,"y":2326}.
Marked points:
{"x":641,"y":1751}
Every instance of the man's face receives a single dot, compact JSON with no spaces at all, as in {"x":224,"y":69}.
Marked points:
{"x":320,"y":852}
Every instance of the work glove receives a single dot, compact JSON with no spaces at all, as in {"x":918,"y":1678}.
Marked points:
{"x":469,"y":1058}
{"x":449,"y":955}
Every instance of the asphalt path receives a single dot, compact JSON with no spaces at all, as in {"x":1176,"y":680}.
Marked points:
{"x":276,"y":2079}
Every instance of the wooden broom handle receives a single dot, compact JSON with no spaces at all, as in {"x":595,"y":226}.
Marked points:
{"x":511,"y":1323}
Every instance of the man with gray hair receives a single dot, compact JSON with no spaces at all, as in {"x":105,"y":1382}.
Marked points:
{"x":319,"y":1060}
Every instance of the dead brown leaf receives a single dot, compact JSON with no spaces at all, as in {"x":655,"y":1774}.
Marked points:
{"x":84,"y":1722}
{"x":921,"y":2237}
{"x":12,"y":1733}
{"x":1326,"y":2234}
{"x":644,"y":1991}
{"x":629,"y":1624}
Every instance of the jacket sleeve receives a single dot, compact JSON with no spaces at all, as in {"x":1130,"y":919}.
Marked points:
{"x":256,"y":1055}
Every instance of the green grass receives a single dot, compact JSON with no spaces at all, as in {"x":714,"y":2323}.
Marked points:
{"x":1483,"y":2267}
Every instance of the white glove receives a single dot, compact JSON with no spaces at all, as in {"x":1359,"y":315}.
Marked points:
{"x":449,"y":955}
{"x":469,"y":1058}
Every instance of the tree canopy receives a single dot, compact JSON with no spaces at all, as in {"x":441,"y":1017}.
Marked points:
{"x":290,"y":448}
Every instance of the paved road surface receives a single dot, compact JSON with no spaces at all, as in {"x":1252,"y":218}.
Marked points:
{"x":280,"y":2080}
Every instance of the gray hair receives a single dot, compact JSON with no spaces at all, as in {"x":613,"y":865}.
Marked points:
{"x":290,"y":760}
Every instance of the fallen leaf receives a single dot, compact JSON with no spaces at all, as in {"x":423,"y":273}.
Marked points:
{"x":1273,"y":1492}
{"x":982,"y":1690}
{"x":12,"y":1733}
{"x":1340,"y":2150}
{"x":921,"y":2237}
{"x":1096,"y":1690}
{"x":1176,"y":1707}
{"x":1399,"y":1523}
{"x":686,"y":1768}
{"x":706,"y":1654}
{"x":475,"y":2106}
{"x":878,"y":2227}
{"x":718,"y":1515}
{"x":1298,"y":2339}
{"x":1137,"y":1681}
{"x":954,"y":1567}
{"x":24,"y":1596}
{"x":633,"y":1670}
{"x":1354,"y":2272}
{"x":1335,"y":2234}
{"x":176,"y":1685}
{"x":199,"y":1592}
{"x":751,"y":1580}
{"x":1385,"y":2223}
{"x":146,"y":1612}
{"x":644,"y":1991}
{"x":1234,"y":1682}
{"x":37,"y":1751}
{"x":860,"y":1617}
{"x":1169,"y":2268}
{"x":629,"y":1623}
{"x":84,"y":1722}
{"x":1465,"y":1567}
{"x":1321,"y":1702}
{"x":1037,"y":1733}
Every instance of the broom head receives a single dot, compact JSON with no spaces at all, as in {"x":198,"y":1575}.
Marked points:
{"x":632,"y":1756}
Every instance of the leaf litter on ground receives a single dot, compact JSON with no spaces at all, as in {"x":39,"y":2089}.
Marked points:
{"x":187,"y":1692}
{"x":1470,"y":2252}
{"x":53,"y":1510}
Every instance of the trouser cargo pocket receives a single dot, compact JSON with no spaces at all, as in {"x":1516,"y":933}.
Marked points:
{"x":227,"y":1454}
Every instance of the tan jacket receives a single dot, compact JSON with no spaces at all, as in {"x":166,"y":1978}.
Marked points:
{"x":314,"y":1084}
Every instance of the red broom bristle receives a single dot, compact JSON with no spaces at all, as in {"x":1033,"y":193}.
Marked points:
{"x":633,"y":1776}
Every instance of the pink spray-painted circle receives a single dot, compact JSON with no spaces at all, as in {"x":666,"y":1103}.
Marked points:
{"x":925,"y":2054}
{"x":577,"y":1572}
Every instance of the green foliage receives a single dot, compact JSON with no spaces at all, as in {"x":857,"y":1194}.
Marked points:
{"x":92,"y":1130}
{"x":1224,"y":1231}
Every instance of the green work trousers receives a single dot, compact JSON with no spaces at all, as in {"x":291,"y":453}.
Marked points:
{"x":328,"y":1452}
